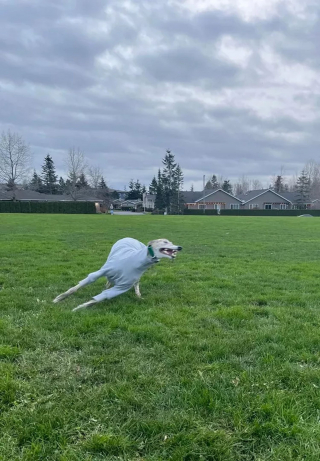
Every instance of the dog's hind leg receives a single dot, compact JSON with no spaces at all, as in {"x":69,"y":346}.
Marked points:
{"x":85,"y":305}
{"x":105,"y":294}
{"x":137,"y":289}
{"x":90,"y":279}
{"x":67,"y":293}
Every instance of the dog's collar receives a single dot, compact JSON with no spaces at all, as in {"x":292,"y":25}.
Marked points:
{"x":151,"y":253}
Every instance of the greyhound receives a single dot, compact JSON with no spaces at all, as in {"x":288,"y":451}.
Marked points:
{"x":126,"y":263}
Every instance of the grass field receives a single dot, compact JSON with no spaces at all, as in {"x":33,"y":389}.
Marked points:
{"x":219,"y":361}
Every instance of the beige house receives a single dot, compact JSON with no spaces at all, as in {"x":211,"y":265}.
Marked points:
{"x":215,"y":200}
{"x":263,"y":199}
{"x":268,"y":199}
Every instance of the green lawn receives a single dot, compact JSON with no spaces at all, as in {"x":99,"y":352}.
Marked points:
{"x":219,"y":361}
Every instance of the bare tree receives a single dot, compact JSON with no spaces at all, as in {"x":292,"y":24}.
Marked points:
{"x":312,"y":169}
{"x":242,"y":186}
{"x":15,"y":160}
{"x":256,"y":184}
{"x":76,"y":166}
{"x":292,"y":181}
{"x":95,"y":175}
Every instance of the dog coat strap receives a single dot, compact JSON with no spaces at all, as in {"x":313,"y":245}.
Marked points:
{"x":151,"y":253}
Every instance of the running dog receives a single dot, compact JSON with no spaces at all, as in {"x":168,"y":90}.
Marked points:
{"x":126,"y":263}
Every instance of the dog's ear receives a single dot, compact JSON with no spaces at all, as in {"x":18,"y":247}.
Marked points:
{"x":151,"y":243}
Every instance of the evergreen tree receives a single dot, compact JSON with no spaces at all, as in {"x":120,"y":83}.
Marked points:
{"x":82,"y":182}
{"x":302,"y":190}
{"x":68,"y":186}
{"x":227,"y":187}
{"x":115,"y":195}
{"x":278,"y":185}
{"x":138,"y":190}
{"x":61,"y":186}
{"x":153,"y":186}
{"x":135,"y":190}
{"x":191,"y":188}
{"x":215,"y":183}
{"x":102,"y":184}
{"x":169,"y":184}
{"x":169,"y":181}
{"x":49,"y":177}
{"x":36,"y":182}
{"x":160,"y":200}
{"x":104,"y":192}
{"x":177,"y":197}
{"x":212,"y":183}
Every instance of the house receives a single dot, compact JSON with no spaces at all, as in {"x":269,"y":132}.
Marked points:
{"x":120,"y":204}
{"x":262,"y":199}
{"x":148,"y":201}
{"x":268,"y":199}
{"x":216,"y":199}
{"x":315,"y":204}
{"x":131,"y":204}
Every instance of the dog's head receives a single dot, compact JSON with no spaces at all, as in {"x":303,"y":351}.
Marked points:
{"x":162,"y":248}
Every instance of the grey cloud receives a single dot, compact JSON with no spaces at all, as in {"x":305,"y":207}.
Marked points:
{"x":126,"y":129}
{"x":186,"y":64}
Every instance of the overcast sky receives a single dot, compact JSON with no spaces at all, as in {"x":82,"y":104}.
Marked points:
{"x":230,"y":86}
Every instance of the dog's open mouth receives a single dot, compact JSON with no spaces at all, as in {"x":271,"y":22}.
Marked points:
{"x":169,"y":252}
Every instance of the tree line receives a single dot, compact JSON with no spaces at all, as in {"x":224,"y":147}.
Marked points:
{"x":81,"y":179}
{"x":167,"y":186}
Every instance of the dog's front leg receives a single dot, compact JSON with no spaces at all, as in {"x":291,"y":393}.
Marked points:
{"x":67,"y":293}
{"x":85,"y":305}
{"x":137,"y":289}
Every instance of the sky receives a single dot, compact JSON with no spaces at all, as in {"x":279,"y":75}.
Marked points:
{"x":231,"y":87}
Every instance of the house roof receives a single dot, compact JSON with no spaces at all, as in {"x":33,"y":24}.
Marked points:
{"x":253,"y":194}
{"x":212,"y":192}
{"x":192,"y":196}
{"x":37,"y":196}
{"x":149,"y":196}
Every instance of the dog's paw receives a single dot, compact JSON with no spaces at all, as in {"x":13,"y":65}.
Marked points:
{"x":83,"y":306}
{"x":59,"y":298}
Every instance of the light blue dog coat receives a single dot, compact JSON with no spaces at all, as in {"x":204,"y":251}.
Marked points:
{"x":127,"y":261}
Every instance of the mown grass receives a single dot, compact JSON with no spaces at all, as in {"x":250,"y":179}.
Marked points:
{"x":219,"y":361}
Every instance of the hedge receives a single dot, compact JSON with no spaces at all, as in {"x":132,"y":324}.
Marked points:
{"x":47,"y":207}
{"x":269,"y":212}
{"x":200,"y":212}
{"x":253,"y":212}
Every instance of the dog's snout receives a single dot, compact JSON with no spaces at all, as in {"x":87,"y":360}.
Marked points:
{"x":179,"y":248}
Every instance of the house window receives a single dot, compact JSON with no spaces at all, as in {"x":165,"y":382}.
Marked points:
{"x":283,"y":206}
{"x":253,"y":206}
{"x":202,"y":207}
{"x":268,"y":206}
{"x":234,"y":206}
